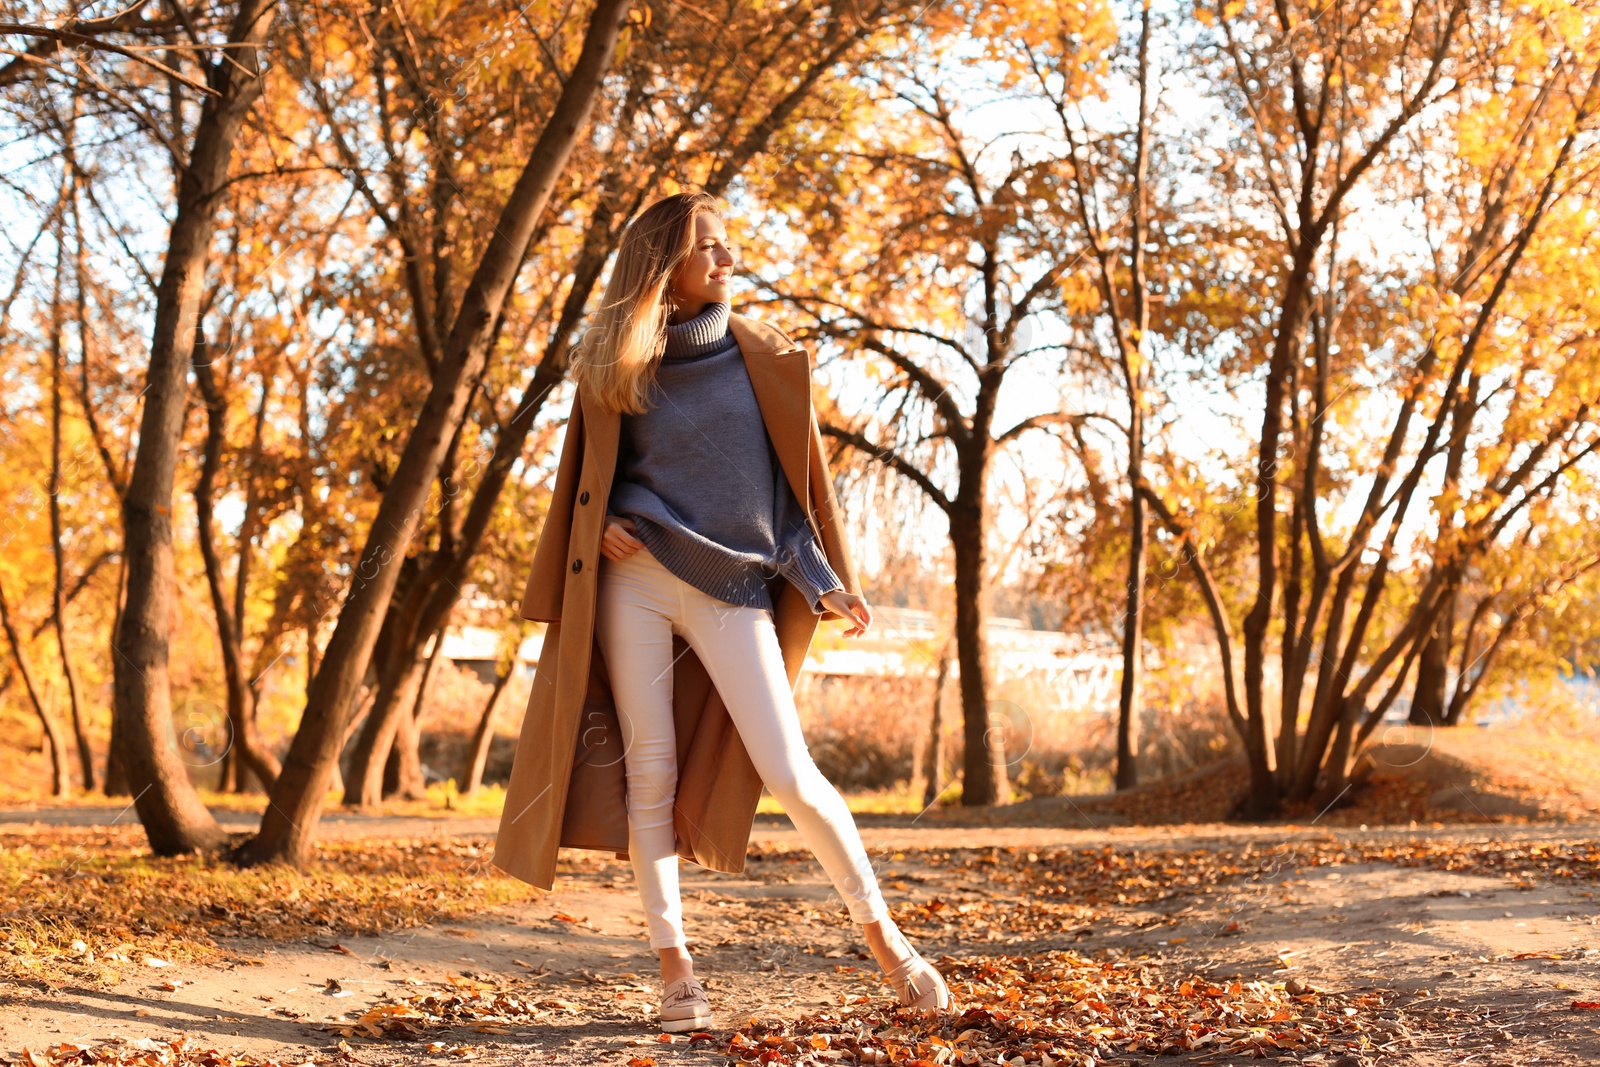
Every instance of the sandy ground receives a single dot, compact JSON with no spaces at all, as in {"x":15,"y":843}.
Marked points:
{"x":775,"y":942}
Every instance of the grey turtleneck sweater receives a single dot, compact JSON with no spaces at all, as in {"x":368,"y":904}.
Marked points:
{"x":699,"y":476}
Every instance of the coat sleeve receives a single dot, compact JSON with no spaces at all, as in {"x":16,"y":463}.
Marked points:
{"x":830,"y":520}
{"x":541,"y":600}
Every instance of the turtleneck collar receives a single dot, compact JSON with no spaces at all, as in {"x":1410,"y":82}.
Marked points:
{"x":700,"y":334}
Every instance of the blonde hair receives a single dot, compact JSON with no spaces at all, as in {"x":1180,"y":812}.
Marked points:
{"x":617,"y":357}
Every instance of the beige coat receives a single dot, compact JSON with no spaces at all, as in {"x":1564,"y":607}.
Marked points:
{"x":567,"y":783}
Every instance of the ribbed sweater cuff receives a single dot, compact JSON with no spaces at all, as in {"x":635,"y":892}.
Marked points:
{"x":807,"y":568}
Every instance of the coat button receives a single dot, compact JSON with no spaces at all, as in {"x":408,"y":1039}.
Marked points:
{"x":577,"y":565}
{"x":583,"y":497}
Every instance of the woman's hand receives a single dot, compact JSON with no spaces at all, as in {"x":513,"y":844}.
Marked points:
{"x":851,"y":607}
{"x":618,"y":542}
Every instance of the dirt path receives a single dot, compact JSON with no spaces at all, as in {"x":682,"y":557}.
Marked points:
{"x":1483,"y":971}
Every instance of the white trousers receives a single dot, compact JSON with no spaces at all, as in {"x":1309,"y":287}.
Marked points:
{"x":640,"y":605}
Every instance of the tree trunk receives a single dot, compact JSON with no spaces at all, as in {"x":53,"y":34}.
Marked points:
{"x":1264,"y":795}
{"x":936,"y":755}
{"x":1336,"y":769}
{"x":311,"y":656}
{"x":1297,"y":628}
{"x":1428,"y":700}
{"x":1133,"y":348}
{"x":260,"y":766}
{"x":483,"y":735}
{"x":1129,"y":704}
{"x":55,"y":742}
{"x":396,"y":656}
{"x":174,"y":819}
{"x":336,"y":775}
{"x":299,"y":794}
{"x":402,"y":772}
{"x":984,"y":759}
{"x":365,"y":784}
{"x":115,"y":783}
{"x":244,"y":751}
{"x":57,"y":555}
{"x":116,"y":779}
{"x":919,"y":759}
{"x":390,"y":778}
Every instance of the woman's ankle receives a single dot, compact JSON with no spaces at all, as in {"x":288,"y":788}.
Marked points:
{"x":676,"y":963}
{"x":889,"y":946}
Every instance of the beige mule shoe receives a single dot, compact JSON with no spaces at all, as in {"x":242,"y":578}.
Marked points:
{"x":685,"y":1006}
{"x":917,"y":984}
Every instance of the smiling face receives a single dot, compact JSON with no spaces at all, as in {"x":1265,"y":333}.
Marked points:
{"x":703,"y":278}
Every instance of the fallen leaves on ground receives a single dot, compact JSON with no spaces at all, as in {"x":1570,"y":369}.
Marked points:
{"x":480,"y":1006}
{"x":1061,"y":1008}
{"x":179,"y":1052}
{"x":1016,"y":894}
{"x":87,"y":901}
{"x":1051,"y":1008}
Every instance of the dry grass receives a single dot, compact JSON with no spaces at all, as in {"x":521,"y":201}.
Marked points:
{"x":863,"y":733}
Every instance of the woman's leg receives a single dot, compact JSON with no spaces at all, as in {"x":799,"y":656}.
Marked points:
{"x":633,"y":625}
{"x":739,"y":647}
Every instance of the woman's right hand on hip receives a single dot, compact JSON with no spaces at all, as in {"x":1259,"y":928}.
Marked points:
{"x":618,"y":542}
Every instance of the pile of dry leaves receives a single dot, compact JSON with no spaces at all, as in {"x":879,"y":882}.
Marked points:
{"x":1060,"y":1008}
{"x":1052,"y":1008}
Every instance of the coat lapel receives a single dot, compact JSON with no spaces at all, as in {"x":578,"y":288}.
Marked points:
{"x":781,"y":375}
{"x":602,"y":429}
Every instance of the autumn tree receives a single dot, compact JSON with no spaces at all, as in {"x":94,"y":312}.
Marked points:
{"x":1077,"y":62}
{"x":938,"y":270}
{"x":1330,"y":109}
{"x":192,"y":102}
{"x":299,"y":792}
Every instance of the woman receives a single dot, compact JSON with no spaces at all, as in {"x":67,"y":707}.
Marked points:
{"x":702,"y":529}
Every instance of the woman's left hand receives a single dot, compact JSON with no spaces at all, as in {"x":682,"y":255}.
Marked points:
{"x":850,"y":606}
